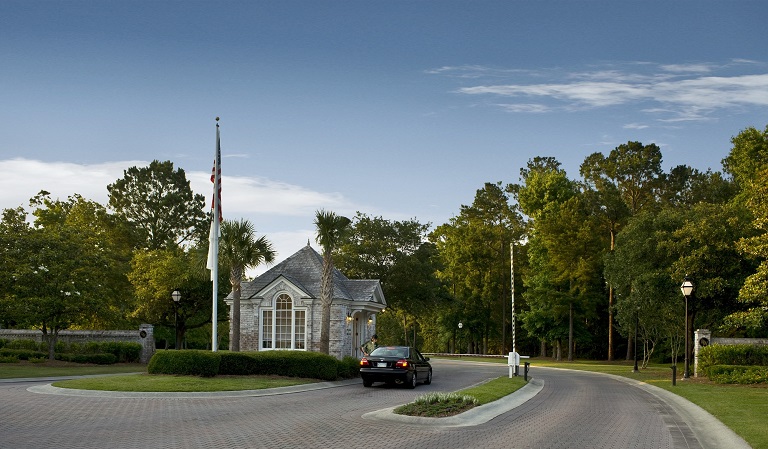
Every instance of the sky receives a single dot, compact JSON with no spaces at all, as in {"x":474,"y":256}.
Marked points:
{"x":397,"y":109}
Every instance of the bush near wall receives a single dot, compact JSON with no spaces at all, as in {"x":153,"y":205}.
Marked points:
{"x":349,"y":367}
{"x":22,"y":354}
{"x":101,"y":353}
{"x":738,"y":374}
{"x":306,"y":364}
{"x":98,"y":359}
{"x":189,"y":362}
{"x":714,"y":360}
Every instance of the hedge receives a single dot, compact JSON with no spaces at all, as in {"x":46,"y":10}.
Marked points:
{"x":738,"y":374}
{"x":189,"y":362}
{"x":739,"y":355}
{"x":304,"y":364}
{"x":313,"y":365}
{"x":98,"y":359}
{"x":22,"y":354}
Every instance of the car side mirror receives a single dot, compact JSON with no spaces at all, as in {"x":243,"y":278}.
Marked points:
{"x":426,"y":358}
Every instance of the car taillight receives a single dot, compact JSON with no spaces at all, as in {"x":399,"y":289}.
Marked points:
{"x":364,"y":362}
{"x":402,"y":363}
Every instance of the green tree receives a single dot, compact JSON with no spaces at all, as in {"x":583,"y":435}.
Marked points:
{"x":634,"y":168}
{"x":395,"y":253}
{"x":331,"y":231}
{"x":160,"y":205}
{"x":544,"y":188}
{"x":474,"y":250}
{"x":631,"y":172}
{"x":747,"y":162}
{"x":155,"y":274}
{"x":748,"y":156}
{"x":63,"y":270}
{"x":240,"y":249}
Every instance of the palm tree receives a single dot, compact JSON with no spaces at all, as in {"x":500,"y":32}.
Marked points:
{"x":331,"y":229}
{"x":239,"y":249}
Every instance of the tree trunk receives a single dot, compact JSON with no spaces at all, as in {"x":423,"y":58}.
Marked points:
{"x":235,"y":278}
{"x":543,"y":348}
{"x":610,"y":319}
{"x":570,"y":333}
{"x":326,"y":297}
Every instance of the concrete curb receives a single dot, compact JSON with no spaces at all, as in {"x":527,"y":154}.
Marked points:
{"x":50,"y":389}
{"x":473,"y":417}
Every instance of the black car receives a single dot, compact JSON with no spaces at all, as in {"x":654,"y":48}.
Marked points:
{"x":400,"y":365}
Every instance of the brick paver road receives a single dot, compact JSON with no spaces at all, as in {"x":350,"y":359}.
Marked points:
{"x":573,"y":410}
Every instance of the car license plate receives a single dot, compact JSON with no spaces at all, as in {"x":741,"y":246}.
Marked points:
{"x":381,"y":364}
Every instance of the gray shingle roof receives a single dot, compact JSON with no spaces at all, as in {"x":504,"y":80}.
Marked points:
{"x":305,"y":270}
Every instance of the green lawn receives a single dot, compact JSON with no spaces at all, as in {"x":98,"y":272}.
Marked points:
{"x":58,"y":369}
{"x":147,"y":382}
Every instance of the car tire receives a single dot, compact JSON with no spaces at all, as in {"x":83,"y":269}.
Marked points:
{"x":412,"y":381}
{"x":367,"y":382}
{"x":429,"y":378}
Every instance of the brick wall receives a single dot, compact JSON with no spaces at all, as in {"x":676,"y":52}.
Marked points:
{"x":145,"y":336}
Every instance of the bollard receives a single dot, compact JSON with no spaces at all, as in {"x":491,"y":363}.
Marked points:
{"x":525,"y":373}
{"x":674,"y":375}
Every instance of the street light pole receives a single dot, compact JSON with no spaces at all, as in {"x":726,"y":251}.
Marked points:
{"x":461,"y":325}
{"x":687,"y":289}
{"x":176,"y":295}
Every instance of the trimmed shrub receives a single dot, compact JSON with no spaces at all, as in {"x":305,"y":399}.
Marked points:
{"x":9,"y":359}
{"x":349,"y":367}
{"x":31,"y":345}
{"x":738,"y":374}
{"x":241,"y":364}
{"x":189,"y":362}
{"x":98,"y":359}
{"x":3,"y":342}
{"x":744,"y":355}
{"x":306,"y":364}
{"x":125,"y":352}
{"x":22,"y":354}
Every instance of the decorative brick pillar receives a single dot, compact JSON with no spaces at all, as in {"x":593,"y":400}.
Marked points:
{"x":701,"y":339}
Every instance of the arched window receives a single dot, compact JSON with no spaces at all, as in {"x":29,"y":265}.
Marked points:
{"x":283,"y":326}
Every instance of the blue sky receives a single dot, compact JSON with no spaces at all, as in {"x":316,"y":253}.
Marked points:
{"x":401,"y":109}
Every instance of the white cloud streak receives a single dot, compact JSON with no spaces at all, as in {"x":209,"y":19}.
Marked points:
{"x":678,"y":91}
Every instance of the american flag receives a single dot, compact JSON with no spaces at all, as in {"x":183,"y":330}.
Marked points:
{"x":213,"y":237}
{"x":216,"y":177}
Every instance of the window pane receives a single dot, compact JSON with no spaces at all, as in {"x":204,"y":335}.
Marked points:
{"x":300,"y":326}
{"x":266,"y":329}
{"x":283,"y":322}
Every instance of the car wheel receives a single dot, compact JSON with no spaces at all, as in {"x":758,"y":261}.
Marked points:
{"x":367,"y":382}
{"x":412,"y":380}
{"x":429,"y":378}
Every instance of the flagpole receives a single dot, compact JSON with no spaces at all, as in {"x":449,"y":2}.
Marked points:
{"x":213,"y":249}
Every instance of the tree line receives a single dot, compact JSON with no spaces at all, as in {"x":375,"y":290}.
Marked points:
{"x":595,"y":258}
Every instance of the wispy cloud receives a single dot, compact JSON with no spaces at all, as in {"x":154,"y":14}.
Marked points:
{"x":675,"y":92}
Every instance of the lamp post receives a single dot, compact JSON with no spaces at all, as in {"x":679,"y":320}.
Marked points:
{"x":687,"y":289}
{"x":176,"y":295}
{"x":461,"y":325}
{"x":637,"y":324}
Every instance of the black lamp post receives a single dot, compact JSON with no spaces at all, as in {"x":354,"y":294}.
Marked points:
{"x":461,"y":325}
{"x":176,"y":295}
{"x":687,"y":289}
{"x":637,"y":324}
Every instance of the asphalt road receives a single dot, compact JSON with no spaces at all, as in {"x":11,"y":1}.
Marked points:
{"x":570,"y":409}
